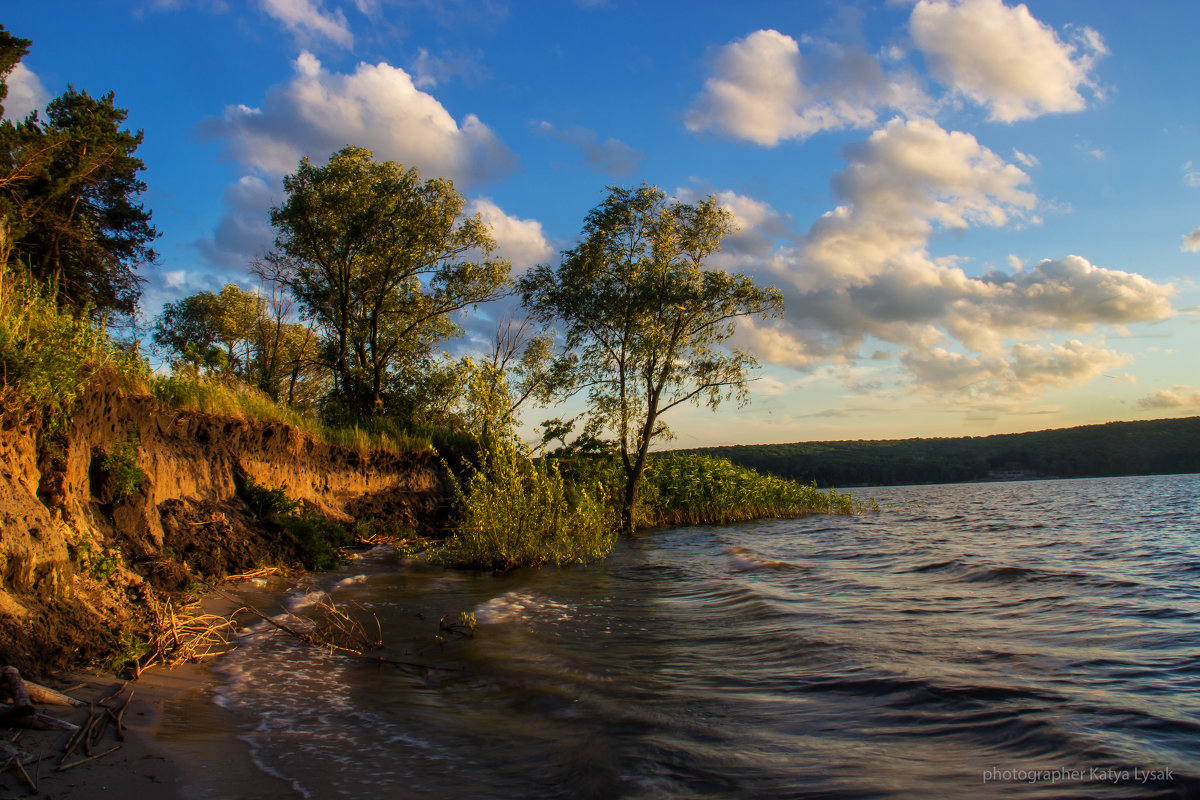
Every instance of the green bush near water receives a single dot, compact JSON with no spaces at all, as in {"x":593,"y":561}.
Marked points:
{"x":515,"y":512}
{"x":318,"y":539}
{"x":699,"y":490}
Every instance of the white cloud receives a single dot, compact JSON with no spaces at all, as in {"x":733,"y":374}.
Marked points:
{"x":763,"y":90}
{"x":307,"y":19}
{"x":1177,"y":397}
{"x":906,"y":179}
{"x":521,"y":241}
{"x":25,"y":93}
{"x":377,"y":106}
{"x":1005,"y":59}
{"x":1191,"y":175}
{"x":1191,"y":242}
{"x":1025,"y":370}
{"x":1025,"y":159}
{"x":863,"y":272}
{"x":611,"y":156}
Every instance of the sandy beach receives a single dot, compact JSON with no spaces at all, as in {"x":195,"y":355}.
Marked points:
{"x":178,"y":745}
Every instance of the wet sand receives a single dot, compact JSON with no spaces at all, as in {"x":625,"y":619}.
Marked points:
{"x":179,"y":745}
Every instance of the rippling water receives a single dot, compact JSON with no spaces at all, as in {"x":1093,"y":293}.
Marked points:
{"x":970,"y":640}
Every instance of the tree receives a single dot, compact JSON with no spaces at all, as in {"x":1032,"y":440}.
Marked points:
{"x":645,"y":321}
{"x":244,"y":335}
{"x":380,"y":260}
{"x":70,"y":202}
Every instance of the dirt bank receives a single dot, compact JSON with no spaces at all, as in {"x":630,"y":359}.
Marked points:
{"x":80,"y":562}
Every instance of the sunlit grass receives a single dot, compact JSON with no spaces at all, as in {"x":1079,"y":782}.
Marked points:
{"x":682,"y":489}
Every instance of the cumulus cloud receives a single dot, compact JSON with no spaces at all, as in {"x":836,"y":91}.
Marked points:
{"x":1025,"y":370}
{"x":1177,"y":397}
{"x":764,"y":90}
{"x":308,"y":20}
{"x":25,"y":93}
{"x":863,"y":272}
{"x":377,"y":106}
{"x":521,"y":241}
{"x":906,"y":179}
{"x":1004,"y":58}
{"x":1191,"y":242}
{"x":611,"y":156}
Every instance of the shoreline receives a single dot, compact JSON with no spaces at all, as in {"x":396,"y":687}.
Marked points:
{"x":179,"y":744}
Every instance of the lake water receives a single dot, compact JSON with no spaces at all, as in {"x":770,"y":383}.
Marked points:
{"x":1030,"y":639}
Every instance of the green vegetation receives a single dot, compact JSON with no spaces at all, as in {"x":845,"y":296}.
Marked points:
{"x":515,"y":511}
{"x":47,"y":352}
{"x":684,"y":489}
{"x":645,"y":323}
{"x":318,"y":539}
{"x":380,"y":261}
{"x":69,"y":194}
{"x":1149,"y":447}
{"x":122,"y":466}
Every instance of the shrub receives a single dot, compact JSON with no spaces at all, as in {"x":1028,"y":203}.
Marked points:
{"x":122,"y":466}
{"x":268,"y":502}
{"x":515,"y":512}
{"x":47,"y":353}
{"x":694,"y":490}
{"x":318,"y":538}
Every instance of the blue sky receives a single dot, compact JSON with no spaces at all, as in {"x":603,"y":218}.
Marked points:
{"x":984,"y":217}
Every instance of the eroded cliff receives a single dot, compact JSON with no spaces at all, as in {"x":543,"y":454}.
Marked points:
{"x":79,"y":561}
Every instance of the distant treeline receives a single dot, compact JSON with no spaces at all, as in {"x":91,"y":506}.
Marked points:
{"x":1117,"y":448}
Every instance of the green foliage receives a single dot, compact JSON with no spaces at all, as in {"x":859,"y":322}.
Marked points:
{"x":102,"y":565}
{"x":122,"y":466}
{"x":47,"y":353}
{"x":268,"y":502}
{"x":645,"y":323}
{"x":514,"y":511}
{"x":694,"y":490}
{"x":130,"y":649}
{"x":214,"y":395}
{"x":379,"y":260}
{"x":318,"y":538}
{"x":69,"y":202}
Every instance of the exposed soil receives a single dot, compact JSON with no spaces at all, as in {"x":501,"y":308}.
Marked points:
{"x":79,"y":560}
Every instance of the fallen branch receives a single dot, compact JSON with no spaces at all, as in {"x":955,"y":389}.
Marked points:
{"x":50,"y":697}
{"x":73,"y":764}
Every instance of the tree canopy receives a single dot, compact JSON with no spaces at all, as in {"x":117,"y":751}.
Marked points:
{"x":380,"y":260}
{"x":645,"y":322}
{"x":69,"y":189}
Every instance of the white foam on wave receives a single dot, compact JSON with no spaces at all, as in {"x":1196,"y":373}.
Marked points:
{"x":512,"y":606}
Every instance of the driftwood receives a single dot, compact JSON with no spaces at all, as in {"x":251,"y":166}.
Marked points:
{"x":41,"y":722}
{"x":50,"y":697}
{"x":22,"y":706}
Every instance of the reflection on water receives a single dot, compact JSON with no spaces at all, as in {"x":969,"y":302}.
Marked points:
{"x":970,"y":632}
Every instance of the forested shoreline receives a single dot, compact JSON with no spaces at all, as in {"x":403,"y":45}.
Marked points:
{"x":1149,"y":447}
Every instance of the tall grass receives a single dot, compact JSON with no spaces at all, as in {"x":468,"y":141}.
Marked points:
{"x":515,"y":512}
{"x":684,"y":489}
{"x":232,"y":398}
{"x":47,"y":354}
